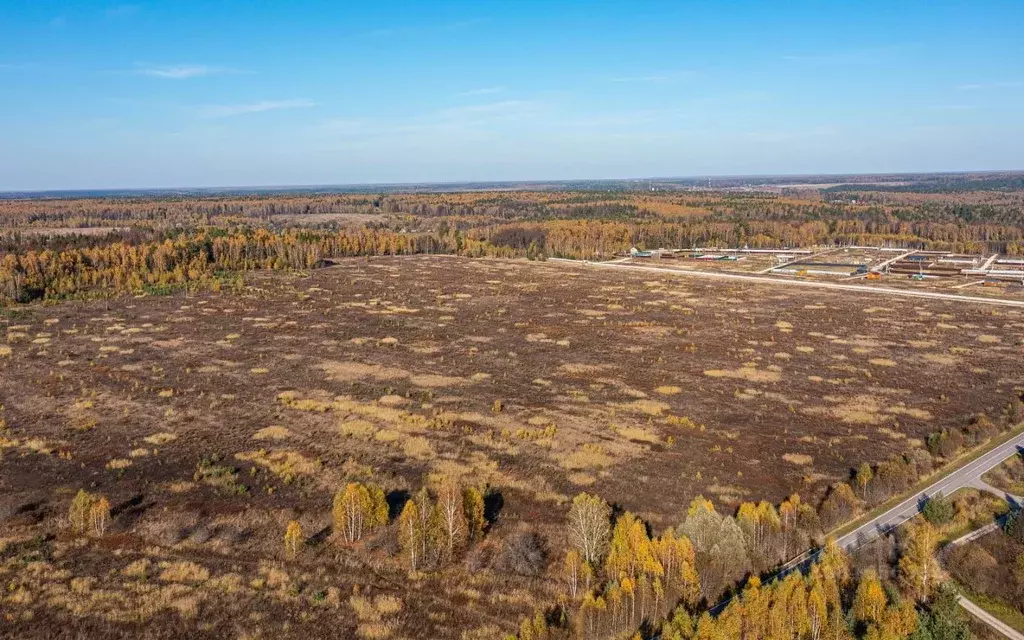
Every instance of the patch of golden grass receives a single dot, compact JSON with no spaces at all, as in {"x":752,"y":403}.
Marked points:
{"x":583,"y":369}
{"x":750,"y":374}
{"x":138,"y":569}
{"x":388,"y":605}
{"x":638,"y":433}
{"x":644,"y":406}
{"x":161,"y":438}
{"x":668,"y":390}
{"x":273,"y":432}
{"x":166,"y":393}
{"x":184,"y":571}
{"x":783,"y":326}
{"x":902,"y":410}
{"x":119,"y":463}
{"x":590,"y":456}
{"x":418,"y":448}
{"x":861,"y":409}
{"x":292,"y":400}
{"x":582,"y":479}
{"x":347,"y":371}
{"x":138,"y":453}
{"x":987,"y":339}
{"x":259,"y":371}
{"x":882,"y":362}
{"x":284,"y":463}
{"x":801,"y":459}
{"x":357,"y":429}
{"x":375,"y":630}
{"x":941,"y":358}
{"x":5,"y":351}
{"x":431,"y":381}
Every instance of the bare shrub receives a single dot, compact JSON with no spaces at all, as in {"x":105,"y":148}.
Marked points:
{"x":523,"y":554}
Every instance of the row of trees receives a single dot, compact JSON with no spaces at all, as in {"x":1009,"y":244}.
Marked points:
{"x":433,"y":527}
{"x":436,"y":525}
{"x":193,"y":258}
{"x":619,"y":580}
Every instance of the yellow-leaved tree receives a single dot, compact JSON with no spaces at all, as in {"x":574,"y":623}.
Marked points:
{"x":869,"y":602}
{"x":292,"y":539}
{"x":410,"y":534}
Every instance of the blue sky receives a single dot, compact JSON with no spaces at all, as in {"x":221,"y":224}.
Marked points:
{"x":188,"y":93}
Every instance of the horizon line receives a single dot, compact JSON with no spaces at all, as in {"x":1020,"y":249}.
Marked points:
{"x":442,"y":183}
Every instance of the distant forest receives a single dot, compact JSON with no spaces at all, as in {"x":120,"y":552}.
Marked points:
{"x":52,"y":248}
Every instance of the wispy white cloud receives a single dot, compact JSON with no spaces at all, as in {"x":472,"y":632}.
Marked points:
{"x":180,"y":71}
{"x":483,"y":91}
{"x":978,"y":86}
{"x":228,"y":110}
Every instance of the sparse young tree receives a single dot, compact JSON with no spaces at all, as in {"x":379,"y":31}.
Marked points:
{"x":631,"y":552}
{"x":573,"y":570}
{"x":839,"y":506}
{"x":726,"y":562}
{"x":99,"y":515}
{"x":589,"y":527}
{"x":379,"y":509}
{"x":410,"y":534}
{"x":473,"y":508}
{"x":80,"y":510}
{"x":453,"y":517}
{"x":918,"y":568}
{"x":938,"y":510}
{"x":292,"y":539}
{"x":352,"y":509}
{"x":862,"y":481}
{"x":870,"y":601}
{"x":702,"y":524}
{"x":678,"y":558}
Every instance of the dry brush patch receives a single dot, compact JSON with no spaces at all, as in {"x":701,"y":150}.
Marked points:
{"x":647,"y":405}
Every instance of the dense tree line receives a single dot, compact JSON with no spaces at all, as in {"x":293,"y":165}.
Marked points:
{"x":620,"y":581}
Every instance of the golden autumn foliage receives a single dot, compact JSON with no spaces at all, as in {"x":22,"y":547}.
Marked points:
{"x":292,"y":539}
{"x":89,"y":513}
{"x":359,"y":509}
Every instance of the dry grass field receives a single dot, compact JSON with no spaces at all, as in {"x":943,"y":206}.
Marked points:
{"x":211,"y":421}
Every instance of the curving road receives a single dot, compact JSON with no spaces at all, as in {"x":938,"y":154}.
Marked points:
{"x":968,"y":475}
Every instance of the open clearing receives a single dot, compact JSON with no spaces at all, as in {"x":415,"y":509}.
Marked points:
{"x":539,"y":380}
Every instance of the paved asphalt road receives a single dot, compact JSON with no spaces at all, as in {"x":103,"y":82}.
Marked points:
{"x":962,"y":477}
{"x":888,"y":291}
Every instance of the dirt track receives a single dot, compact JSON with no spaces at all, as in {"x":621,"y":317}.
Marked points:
{"x":907,"y":293}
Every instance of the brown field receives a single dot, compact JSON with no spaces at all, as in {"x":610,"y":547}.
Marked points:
{"x":539,"y":380}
